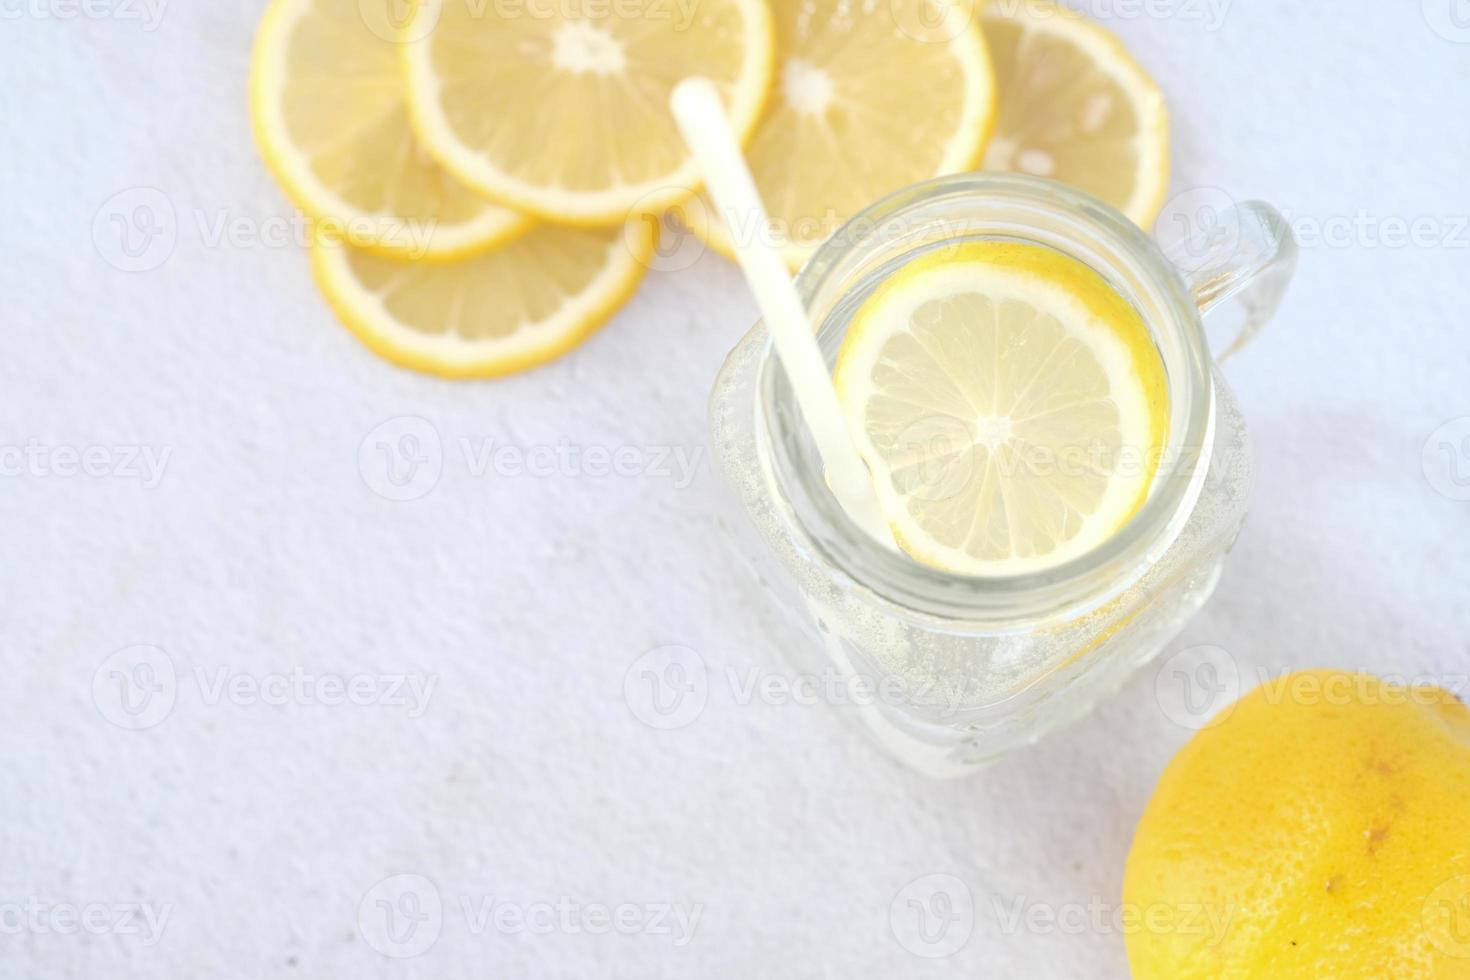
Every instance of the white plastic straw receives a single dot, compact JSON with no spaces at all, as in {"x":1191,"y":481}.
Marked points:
{"x":701,"y":118}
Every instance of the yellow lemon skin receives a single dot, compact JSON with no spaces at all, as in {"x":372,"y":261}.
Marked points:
{"x":1318,"y":828}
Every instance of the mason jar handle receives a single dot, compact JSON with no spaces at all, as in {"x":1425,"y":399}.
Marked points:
{"x":1236,"y":264}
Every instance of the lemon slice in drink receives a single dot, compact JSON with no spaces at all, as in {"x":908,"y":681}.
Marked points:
{"x":561,"y":110}
{"x":1075,"y":107}
{"x":1011,"y":403}
{"x":868,"y":99}
{"x":331,"y":118}
{"x":494,"y":313}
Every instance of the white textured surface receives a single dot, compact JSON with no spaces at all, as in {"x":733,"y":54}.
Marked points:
{"x":527,"y":778}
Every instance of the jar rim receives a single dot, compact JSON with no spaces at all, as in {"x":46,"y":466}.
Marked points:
{"x":1090,"y":578}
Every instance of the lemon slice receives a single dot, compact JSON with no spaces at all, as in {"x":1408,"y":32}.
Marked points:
{"x":494,"y":313}
{"x":1076,"y":108}
{"x":329,"y":113}
{"x":868,"y":100}
{"x":1012,"y":404}
{"x":562,"y":110}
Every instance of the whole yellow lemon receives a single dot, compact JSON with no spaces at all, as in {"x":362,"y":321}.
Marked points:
{"x":1320,"y":827}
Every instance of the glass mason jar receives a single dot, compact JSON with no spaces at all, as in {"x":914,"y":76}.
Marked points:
{"x":958,"y":670}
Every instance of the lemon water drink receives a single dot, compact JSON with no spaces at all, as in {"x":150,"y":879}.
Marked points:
{"x":1010,"y":403}
{"x":1060,"y":462}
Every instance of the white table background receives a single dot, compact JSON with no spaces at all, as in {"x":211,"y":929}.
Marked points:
{"x":261,"y":829}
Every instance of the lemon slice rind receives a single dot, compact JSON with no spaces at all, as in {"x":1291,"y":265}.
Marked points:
{"x":617,"y":201}
{"x":962,"y":151}
{"x":1105,"y":53}
{"x":1092,"y":316}
{"x":380,"y":232}
{"x":449,"y":355}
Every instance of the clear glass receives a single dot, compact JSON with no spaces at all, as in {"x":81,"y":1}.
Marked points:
{"x":959,"y":669}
